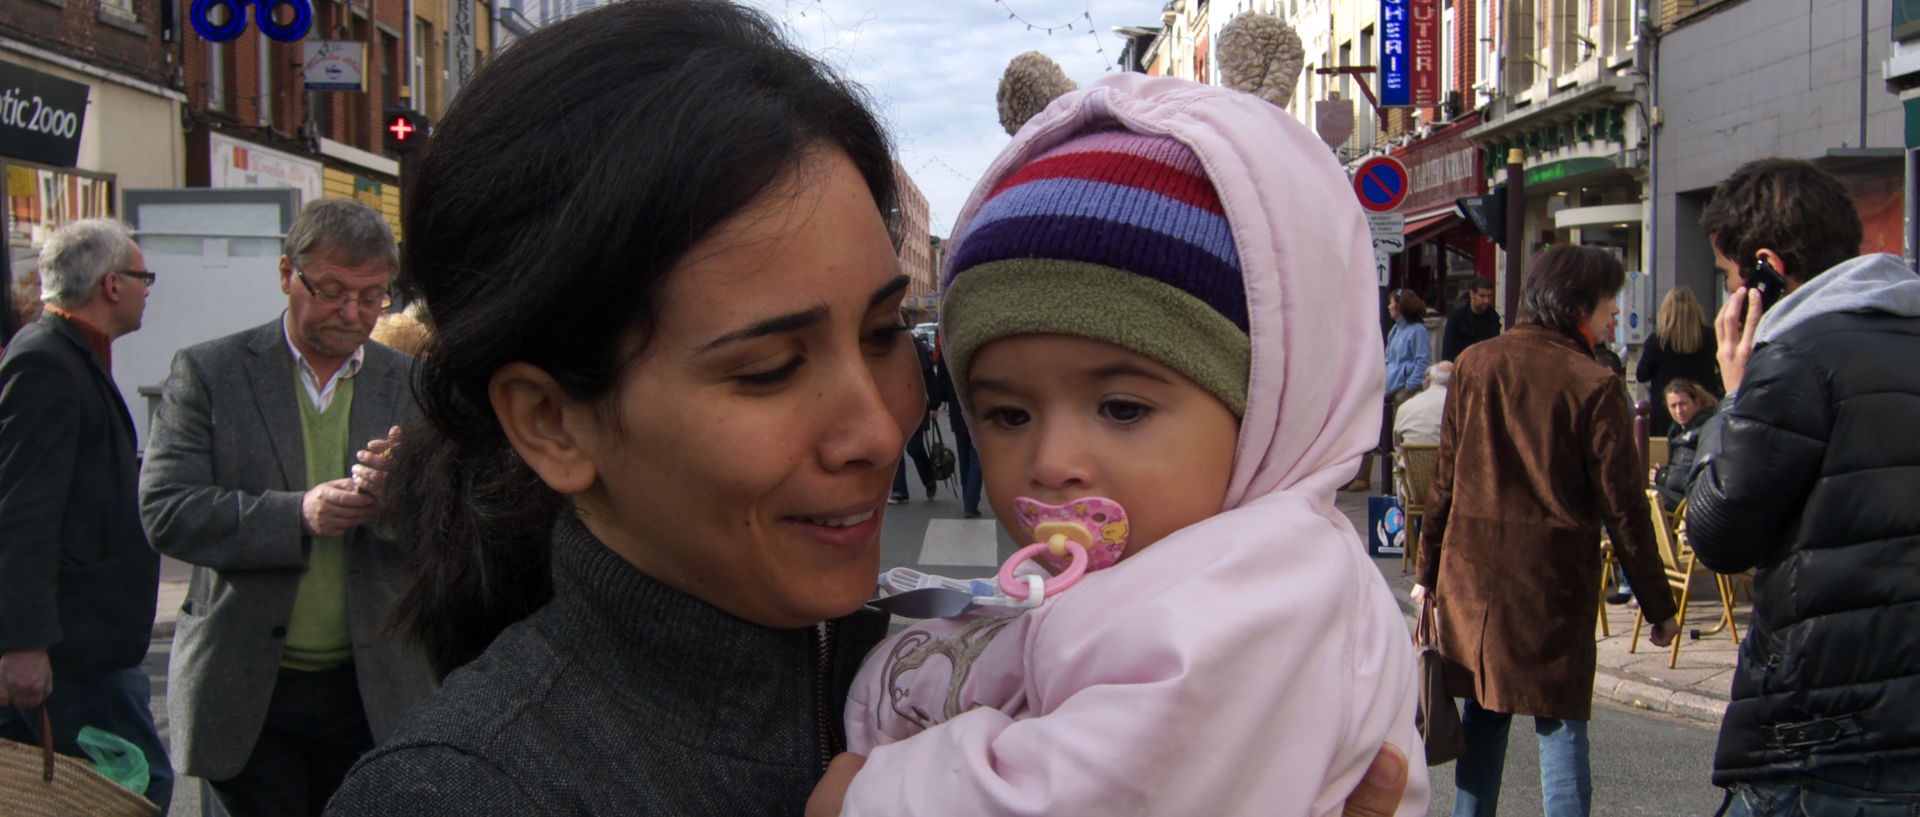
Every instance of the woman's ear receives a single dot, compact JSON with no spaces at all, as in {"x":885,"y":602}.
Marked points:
{"x":555,"y":434}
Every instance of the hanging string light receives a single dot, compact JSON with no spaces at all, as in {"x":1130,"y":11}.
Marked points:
{"x":1083,"y":21}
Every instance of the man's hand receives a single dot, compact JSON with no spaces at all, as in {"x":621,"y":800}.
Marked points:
{"x":832,"y":788}
{"x":370,"y":474}
{"x":1380,"y":790}
{"x":1664,"y":633}
{"x":1734,"y":328}
{"x":332,"y":508}
{"x":1419,"y":593}
{"x":26,"y":678}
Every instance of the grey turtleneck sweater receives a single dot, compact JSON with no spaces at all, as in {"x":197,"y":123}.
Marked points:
{"x":621,"y":696}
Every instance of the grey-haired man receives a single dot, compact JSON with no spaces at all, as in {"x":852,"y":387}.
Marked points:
{"x":77,"y":580}
{"x":282,"y":674}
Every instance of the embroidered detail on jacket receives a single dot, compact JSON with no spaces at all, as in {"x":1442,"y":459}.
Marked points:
{"x":913,"y":650}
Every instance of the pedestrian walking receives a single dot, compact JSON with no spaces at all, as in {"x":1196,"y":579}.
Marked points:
{"x":917,"y":443}
{"x":659,"y":429}
{"x":1808,"y":476}
{"x":1682,"y":346}
{"x":966,"y":455}
{"x":283,"y":670}
{"x":77,"y":580}
{"x":1536,"y":457}
{"x":1471,"y":322}
{"x":1409,"y":353}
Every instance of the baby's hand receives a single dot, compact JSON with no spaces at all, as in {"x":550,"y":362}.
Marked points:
{"x":832,"y":788}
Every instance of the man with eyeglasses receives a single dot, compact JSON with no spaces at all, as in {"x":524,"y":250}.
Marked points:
{"x":77,"y":580}
{"x":264,"y":470}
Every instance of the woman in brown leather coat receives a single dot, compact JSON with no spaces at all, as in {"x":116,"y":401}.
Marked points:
{"x":1536,"y":455}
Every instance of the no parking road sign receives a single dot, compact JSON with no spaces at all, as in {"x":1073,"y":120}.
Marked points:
{"x":1382,"y":184}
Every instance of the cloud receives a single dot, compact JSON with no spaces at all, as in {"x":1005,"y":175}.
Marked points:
{"x":931,"y":68}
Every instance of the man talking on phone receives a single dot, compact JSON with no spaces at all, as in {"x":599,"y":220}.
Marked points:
{"x":1810,"y":475}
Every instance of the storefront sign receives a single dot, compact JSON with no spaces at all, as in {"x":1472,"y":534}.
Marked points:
{"x":236,"y":163}
{"x":1567,"y":169}
{"x":460,"y":46}
{"x":1443,"y":171}
{"x":40,"y":116}
{"x":1409,"y":53}
{"x":333,"y":65}
{"x":1906,"y":19}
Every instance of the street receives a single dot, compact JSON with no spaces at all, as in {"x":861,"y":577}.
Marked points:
{"x":1643,"y":762}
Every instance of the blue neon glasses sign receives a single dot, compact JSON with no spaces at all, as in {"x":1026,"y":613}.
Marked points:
{"x":201,"y":15}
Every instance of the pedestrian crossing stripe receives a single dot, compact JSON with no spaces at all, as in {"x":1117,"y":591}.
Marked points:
{"x":961,"y":543}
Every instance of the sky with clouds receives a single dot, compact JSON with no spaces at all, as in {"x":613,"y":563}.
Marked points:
{"x":932,"y":66}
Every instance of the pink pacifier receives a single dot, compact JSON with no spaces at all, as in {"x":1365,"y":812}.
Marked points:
{"x":1082,"y":535}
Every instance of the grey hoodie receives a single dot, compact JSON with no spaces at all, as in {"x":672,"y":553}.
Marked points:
{"x":1869,"y":283}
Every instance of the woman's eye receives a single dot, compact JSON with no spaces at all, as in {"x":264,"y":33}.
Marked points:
{"x":771,"y":376}
{"x":886,"y":337}
{"x":1124,"y":412}
{"x":1005,"y":417}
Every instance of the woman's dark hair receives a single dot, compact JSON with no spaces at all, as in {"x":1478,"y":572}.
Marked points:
{"x":1564,"y":284}
{"x":1788,"y":206}
{"x":565,"y":181}
{"x":1412,"y":308}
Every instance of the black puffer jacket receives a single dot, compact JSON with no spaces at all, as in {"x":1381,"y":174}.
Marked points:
{"x":1811,"y":473}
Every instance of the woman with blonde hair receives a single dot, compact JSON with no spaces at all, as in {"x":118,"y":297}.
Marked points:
{"x":1682,"y":346}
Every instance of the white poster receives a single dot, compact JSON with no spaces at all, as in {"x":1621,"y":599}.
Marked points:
{"x":235,"y":163}
{"x":333,"y":65}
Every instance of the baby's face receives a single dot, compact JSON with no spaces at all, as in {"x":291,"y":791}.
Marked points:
{"x":1059,"y":418}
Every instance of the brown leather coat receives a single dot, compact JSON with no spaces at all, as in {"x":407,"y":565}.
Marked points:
{"x":1536,"y":454}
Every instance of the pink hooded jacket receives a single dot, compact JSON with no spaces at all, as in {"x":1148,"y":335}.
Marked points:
{"x":1250,"y":664}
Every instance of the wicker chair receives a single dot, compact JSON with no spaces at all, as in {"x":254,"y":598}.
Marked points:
{"x":1656,"y":452}
{"x":1681,"y":566}
{"x":1413,"y":465}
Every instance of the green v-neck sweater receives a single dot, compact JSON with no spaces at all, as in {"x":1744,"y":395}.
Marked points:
{"x":317,"y":633}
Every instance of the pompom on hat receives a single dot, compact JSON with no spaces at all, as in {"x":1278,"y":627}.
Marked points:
{"x":1115,"y":236}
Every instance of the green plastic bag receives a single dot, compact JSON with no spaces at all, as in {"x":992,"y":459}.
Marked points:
{"x":115,"y":758}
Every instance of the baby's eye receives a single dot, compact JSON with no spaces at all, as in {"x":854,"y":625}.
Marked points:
{"x":1005,"y":417}
{"x":1124,"y":412}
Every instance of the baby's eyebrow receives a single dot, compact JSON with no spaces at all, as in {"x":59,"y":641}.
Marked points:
{"x":1128,"y":369}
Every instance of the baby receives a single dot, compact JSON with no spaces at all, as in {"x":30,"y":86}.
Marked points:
{"x":1162,"y":295}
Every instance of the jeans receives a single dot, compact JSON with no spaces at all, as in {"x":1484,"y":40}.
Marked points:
{"x":1890,"y":790}
{"x":1566,"y":782}
{"x":969,"y":465}
{"x":118,"y":701}
{"x":917,"y":451}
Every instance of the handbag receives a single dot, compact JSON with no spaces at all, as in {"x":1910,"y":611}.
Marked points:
{"x":1438,"y":719}
{"x":36,"y":782}
{"x":942,"y":458}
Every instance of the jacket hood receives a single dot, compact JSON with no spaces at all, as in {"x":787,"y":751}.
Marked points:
{"x":1306,"y":256}
{"x":1869,"y":283}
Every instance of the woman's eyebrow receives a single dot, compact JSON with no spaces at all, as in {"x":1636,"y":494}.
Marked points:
{"x":771,"y":326}
{"x":888,"y":290}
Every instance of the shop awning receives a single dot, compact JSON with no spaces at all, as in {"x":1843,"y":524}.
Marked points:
{"x":1431,"y":227}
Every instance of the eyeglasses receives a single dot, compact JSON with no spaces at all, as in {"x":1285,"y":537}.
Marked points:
{"x":338,"y":297}
{"x":145,"y":277}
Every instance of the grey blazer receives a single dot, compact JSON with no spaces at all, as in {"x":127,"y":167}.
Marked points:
{"x":221,"y":488}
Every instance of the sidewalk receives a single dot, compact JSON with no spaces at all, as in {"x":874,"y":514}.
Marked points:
{"x":1696,"y":688}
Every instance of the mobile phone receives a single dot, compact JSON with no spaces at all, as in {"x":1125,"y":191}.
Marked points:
{"x":1769,"y":281}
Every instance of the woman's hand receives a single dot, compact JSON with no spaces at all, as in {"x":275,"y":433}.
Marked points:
{"x":1380,"y":790}
{"x":832,"y":788}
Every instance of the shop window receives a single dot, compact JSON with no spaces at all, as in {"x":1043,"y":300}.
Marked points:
{"x":39,"y":201}
{"x":216,"y":76}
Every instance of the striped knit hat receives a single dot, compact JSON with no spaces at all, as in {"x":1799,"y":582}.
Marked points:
{"x":1114,"y":236}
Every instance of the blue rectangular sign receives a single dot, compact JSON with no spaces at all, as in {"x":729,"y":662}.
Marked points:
{"x":1409,"y":53}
